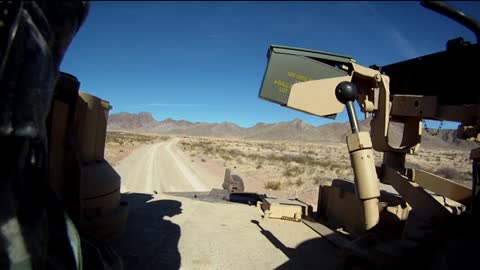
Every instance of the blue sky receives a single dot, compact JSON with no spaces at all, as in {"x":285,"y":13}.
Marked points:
{"x":204,"y":61}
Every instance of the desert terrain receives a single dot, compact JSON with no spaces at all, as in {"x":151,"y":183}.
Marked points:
{"x":119,"y":145}
{"x":176,"y":222}
{"x":276,"y":168}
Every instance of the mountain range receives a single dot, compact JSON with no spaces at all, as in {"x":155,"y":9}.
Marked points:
{"x":295,"y":130}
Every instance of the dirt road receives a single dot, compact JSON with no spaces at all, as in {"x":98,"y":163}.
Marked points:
{"x":160,"y":168}
{"x":168,"y":230}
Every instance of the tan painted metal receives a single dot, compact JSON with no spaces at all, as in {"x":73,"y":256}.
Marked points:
{"x":414,"y":106}
{"x":365,"y":175}
{"x":102,"y":214}
{"x":366,"y":180}
{"x":428,"y":107}
{"x":92,"y":119}
{"x":394,"y":160}
{"x":400,"y":212}
{"x":441,"y":186}
{"x":365,"y":72}
{"x":358,"y":141}
{"x":424,"y":201}
{"x":419,"y":199}
{"x":86,"y":118}
{"x":375,"y":98}
{"x":340,"y":208}
{"x":316,"y":97}
{"x":284,"y":208}
{"x":84,"y":181}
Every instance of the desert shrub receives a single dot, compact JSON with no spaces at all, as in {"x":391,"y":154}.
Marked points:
{"x":273,"y":185}
{"x":203,"y":160}
{"x":293,"y":171}
{"x":289,"y":182}
{"x":319,"y":179}
{"x":299,"y":182}
{"x":208,"y":150}
{"x":300,"y":159}
{"x":235,"y":152}
{"x":225,"y":157}
{"x":240,"y":160}
{"x":132,"y":138}
{"x":259,"y":166}
{"x":412,"y":165}
{"x":449,"y":172}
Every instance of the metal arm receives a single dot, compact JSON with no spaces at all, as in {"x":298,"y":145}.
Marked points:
{"x":456,"y":15}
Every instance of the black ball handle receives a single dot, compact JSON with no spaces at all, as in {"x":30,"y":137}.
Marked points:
{"x":346,"y":91}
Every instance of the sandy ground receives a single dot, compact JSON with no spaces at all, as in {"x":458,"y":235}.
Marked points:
{"x":157,"y":168}
{"x":283,"y":169}
{"x":296,"y":169}
{"x":120,"y":144}
{"x":174,"y":232}
{"x":172,"y":224}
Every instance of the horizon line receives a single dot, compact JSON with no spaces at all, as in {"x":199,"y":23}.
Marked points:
{"x":272,"y":123}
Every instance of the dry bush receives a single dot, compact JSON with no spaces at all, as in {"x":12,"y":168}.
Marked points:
{"x":240,"y":160}
{"x":273,"y":185}
{"x":317,"y":180}
{"x":123,"y":138}
{"x":293,"y":171}
{"x":449,"y":173}
{"x":300,"y":168}
{"x":299,"y":182}
{"x":226,"y":157}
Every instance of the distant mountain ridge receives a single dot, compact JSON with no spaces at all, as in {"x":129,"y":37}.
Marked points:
{"x":295,"y":130}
